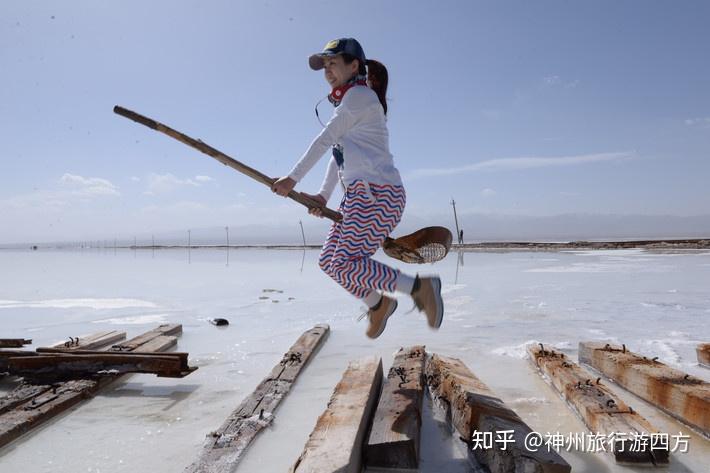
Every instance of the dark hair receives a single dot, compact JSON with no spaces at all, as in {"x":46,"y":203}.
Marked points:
{"x":377,"y":76}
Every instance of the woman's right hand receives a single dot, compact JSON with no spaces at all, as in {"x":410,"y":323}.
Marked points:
{"x":317,"y":211}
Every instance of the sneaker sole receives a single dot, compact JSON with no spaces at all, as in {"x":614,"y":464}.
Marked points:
{"x":439,"y":306}
{"x":384,"y":322}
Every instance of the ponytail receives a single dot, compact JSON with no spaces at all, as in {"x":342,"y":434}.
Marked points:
{"x":377,"y":76}
{"x":377,"y":79}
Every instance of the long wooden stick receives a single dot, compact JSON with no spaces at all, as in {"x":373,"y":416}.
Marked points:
{"x":224,"y":159}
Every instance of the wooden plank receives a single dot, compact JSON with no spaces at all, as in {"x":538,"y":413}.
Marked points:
{"x":335,"y":445}
{"x":599,"y":408}
{"x":48,"y":401}
{"x":476,"y":410}
{"x":14,"y":342}
{"x":703,"y":351}
{"x":681,"y":395}
{"x":224,"y":448}
{"x":92,"y":341}
{"x":395,"y":433}
{"x":5,"y":355}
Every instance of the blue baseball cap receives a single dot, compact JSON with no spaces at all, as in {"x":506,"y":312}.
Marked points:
{"x":333,"y":48}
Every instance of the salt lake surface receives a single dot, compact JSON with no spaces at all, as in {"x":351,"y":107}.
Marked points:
{"x":657,"y":303}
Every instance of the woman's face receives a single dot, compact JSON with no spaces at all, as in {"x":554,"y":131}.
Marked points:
{"x":338,"y":73}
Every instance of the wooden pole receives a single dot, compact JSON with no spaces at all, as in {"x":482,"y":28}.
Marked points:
{"x":456,"y":219}
{"x":303,"y":235}
{"x":396,"y":248}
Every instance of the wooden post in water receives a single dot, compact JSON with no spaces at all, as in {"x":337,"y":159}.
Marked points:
{"x":703,"y":351}
{"x":601,"y":410}
{"x":476,"y":412}
{"x":681,"y":395}
{"x":335,"y":445}
{"x":396,"y":426}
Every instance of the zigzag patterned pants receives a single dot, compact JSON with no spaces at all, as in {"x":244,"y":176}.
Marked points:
{"x":370,"y":213}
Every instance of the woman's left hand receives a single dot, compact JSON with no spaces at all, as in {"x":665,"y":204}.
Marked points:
{"x":283,"y":186}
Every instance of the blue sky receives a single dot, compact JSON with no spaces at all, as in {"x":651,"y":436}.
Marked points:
{"x":512,"y":108}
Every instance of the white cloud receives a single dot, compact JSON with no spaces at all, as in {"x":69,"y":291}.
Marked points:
{"x":555,"y":80}
{"x":135,"y":179}
{"x":703,"y":122}
{"x":488,"y":192}
{"x":88,"y":186}
{"x":514,"y":164}
{"x":163,"y":183}
{"x":551,"y":80}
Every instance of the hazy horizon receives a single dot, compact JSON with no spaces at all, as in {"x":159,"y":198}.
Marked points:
{"x":477,"y":228}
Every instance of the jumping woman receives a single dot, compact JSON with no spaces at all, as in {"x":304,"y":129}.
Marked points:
{"x":374,"y":197}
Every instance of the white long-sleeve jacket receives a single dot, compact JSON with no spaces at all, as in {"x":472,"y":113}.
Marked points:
{"x":358,"y":125}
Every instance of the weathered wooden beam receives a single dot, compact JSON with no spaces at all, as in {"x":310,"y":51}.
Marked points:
{"x":14,"y":342}
{"x":600,"y":409}
{"x":396,"y":426}
{"x":224,"y":448}
{"x":703,"y":351}
{"x":5,"y":355}
{"x":92,"y":341}
{"x":64,"y":366}
{"x":45,"y":402}
{"x":681,"y":395}
{"x":335,"y":444}
{"x":475,"y":410}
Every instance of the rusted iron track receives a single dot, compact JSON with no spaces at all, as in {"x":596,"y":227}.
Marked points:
{"x":476,"y":410}
{"x":396,"y":426}
{"x":335,"y":444}
{"x":224,"y":448}
{"x":681,"y":395}
{"x":599,"y":408}
{"x":29,"y":406}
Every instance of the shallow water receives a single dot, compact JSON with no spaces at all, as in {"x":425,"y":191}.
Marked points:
{"x":658,"y":304}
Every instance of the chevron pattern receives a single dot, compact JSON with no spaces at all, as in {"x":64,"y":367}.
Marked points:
{"x":370,"y":213}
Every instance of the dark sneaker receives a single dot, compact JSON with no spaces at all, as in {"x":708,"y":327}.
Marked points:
{"x":378,"y":316}
{"x":427,"y":298}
